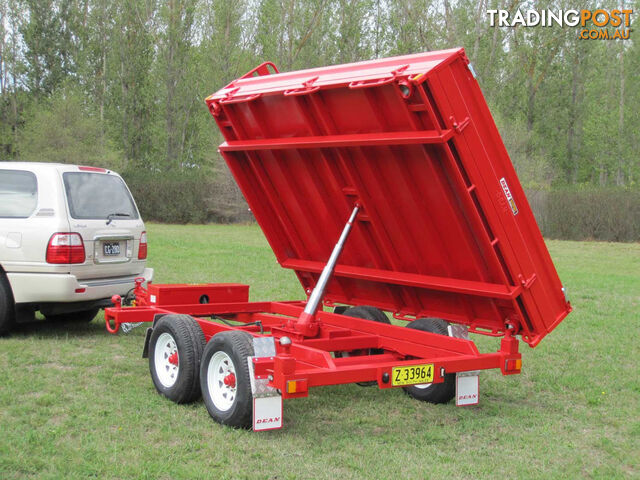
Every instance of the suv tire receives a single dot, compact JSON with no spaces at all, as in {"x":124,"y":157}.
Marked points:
{"x":7,"y":307}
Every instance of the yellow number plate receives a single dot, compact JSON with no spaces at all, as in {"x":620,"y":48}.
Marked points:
{"x":413,"y":375}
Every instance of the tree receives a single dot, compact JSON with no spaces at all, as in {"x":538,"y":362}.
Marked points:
{"x":12,"y":96}
{"x":132,"y":93}
{"x":48,"y":38}
{"x":136,"y":72}
{"x":177,"y":17}
{"x":66,"y":131}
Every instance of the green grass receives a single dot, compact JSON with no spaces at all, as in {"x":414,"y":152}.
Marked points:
{"x":76,"y":402}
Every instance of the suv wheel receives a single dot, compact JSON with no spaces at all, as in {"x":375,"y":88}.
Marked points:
{"x":7,"y":307}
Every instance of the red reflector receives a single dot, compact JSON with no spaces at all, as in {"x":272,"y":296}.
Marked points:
{"x":142,"y":249}
{"x":65,"y":248}
{"x":92,"y":169}
{"x":80,"y":290}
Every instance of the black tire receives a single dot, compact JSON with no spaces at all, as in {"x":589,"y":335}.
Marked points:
{"x":366,"y":312}
{"x":433,"y":392}
{"x":84,"y":316}
{"x":227,"y":404}
{"x":178,"y":382}
{"x":7,"y":307}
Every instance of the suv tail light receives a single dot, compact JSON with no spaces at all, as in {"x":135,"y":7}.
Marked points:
{"x":65,"y":248}
{"x":142,"y":249}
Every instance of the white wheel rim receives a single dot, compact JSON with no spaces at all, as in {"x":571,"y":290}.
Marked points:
{"x":222,"y":381}
{"x":423,"y":386}
{"x":166,"y":360}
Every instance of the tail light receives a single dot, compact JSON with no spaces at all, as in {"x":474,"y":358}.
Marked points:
{"x":65,"y":248}
{"x":513,"y":365}
{"x":142,"y":249}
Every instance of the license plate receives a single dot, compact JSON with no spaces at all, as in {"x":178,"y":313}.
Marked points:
{"x":413,"y":375}
{"x":111,"y":248}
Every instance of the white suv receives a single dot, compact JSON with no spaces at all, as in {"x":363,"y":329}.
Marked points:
{"x":70,"y":238}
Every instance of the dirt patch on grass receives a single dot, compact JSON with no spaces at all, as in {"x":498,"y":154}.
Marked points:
{"x":57,"y":420}
{"x":57,"y":366}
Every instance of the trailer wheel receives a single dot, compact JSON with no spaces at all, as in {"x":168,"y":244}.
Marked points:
{"x":366,"y":312}
{"x":224,"y":378}
{"x":433,"y":392}
{"x":7,"y":307}
{"x":175,"y":350}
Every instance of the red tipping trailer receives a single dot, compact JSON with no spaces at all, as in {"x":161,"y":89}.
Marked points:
{"x":386,"y":187}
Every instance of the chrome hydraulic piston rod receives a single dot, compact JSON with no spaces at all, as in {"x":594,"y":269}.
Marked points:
{"x":306,"y":318}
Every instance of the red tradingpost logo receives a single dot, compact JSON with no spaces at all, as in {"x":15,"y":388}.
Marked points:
{"x":598,"y":24}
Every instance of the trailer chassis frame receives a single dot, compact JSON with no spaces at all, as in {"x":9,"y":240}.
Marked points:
{"x":308,"y":362}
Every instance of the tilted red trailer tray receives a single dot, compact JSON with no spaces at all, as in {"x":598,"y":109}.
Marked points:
{"x":399,"y":161}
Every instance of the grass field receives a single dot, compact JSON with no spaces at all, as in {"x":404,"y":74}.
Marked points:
{"x":76,"y":402}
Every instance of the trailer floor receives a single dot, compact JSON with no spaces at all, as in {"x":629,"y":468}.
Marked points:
{"x":76,"y":401}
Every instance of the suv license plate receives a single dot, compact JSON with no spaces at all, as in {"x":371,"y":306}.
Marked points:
{"x":413,"y":375}
{"x":111,"y":248}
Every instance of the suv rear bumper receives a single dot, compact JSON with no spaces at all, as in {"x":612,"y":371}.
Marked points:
{"x":47,"y":287}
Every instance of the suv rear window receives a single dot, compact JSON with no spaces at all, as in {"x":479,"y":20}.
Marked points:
{"x":96,"y":196}
{"x":18,"y":193}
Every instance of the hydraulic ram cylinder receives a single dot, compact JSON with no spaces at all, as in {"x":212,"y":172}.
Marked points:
{"x":306,"y":318}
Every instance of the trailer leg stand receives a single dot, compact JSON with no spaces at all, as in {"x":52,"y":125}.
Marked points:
{"x":306,"y":323}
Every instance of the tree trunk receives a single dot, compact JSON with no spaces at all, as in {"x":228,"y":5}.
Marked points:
{"x":494,"y":44}
{"x":449,"y":24}
{"x":477,"y":32}
{"x":125,"y":130}
{"x":104,"y":86}
{"x":531,"y":103}
{"x":170,"y":82}
{"x":572,"y":122}
{"x":621,"y":143}
{"x":3,"y":15}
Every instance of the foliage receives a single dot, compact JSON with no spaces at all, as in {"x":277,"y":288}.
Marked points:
{"x":186,"y":196}
{"x":569,"y":109}
{"x":609,"y":214}
{"x":64,"y":131}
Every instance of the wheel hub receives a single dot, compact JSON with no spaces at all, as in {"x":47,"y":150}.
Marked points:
{"x":173,"y":358}
{"x":221,"y":381}
{"x":230,"y":380}
{"x":166,"y":360}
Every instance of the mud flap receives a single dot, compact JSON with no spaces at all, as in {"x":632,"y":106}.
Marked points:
{"x":267,"y":401}
{"x":467,"y":383}
{"x":147,"y":339}
{"x":467,"y":388}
